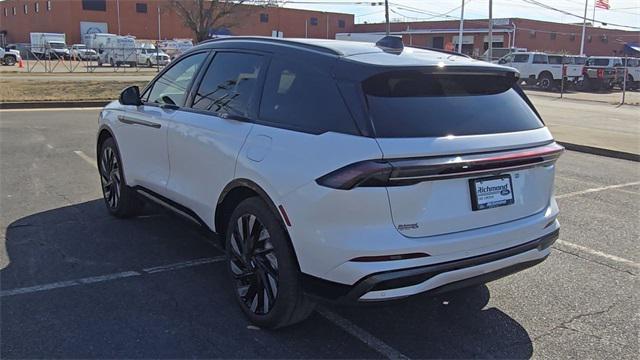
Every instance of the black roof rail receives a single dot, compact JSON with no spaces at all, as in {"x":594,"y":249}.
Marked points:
{"x":266,"y":39}
{"x":441,"y":51}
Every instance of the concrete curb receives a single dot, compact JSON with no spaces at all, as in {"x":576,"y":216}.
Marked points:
{"x":601,"y":151}
{"x":52,"y":104}
{"x":82,"y":104}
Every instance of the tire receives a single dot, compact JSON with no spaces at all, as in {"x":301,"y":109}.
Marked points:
{"x":149,"y":64}
{"x":271,"y":261}
{"x":545,"y":81}
{"x":9,"y":60}
{"x":121,"y":200}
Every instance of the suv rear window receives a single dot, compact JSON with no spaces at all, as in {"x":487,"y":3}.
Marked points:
{"x":598,"y":62}
{"x":416,"y":104}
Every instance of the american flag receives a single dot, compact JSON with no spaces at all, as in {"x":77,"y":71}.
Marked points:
{"x":602,"y":4}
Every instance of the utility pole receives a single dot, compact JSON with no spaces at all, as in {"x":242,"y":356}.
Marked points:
{"x":584,"y":26}
{"x":461,"y":28}
{"x":386,"y":16}
{"x":118,"y":12}
{"x":490,"y":53}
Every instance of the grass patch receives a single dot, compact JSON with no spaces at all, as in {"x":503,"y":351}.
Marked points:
{"x":21,"y":90}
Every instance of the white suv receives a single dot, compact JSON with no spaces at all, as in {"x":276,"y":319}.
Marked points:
{"x":339,"y":170}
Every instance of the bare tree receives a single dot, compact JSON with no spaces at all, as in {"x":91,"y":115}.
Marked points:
{"x":202,"y":15}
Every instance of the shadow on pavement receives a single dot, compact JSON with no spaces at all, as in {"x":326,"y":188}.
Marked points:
{"x":189,"y":312}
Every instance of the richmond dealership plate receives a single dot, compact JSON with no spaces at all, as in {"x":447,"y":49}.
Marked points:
{"x":491,"y":192}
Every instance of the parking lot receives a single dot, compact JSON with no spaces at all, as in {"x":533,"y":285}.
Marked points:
{"x":78,"y":283}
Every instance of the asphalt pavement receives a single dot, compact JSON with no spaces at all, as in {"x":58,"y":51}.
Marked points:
{"x":78,"y":283}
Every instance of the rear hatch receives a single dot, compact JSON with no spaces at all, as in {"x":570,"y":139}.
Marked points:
{"x":466,"y":148}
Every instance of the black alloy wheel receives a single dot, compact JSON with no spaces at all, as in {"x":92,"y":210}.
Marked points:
{"x":254,"y":265}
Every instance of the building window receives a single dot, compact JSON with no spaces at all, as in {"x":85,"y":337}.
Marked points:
{"x":341,"y":24}
{"x":552,"y":36}
{"x":26,"y":8}
{"x":13,"y":10}
{"x":6,"y":12}
{"x":48,"y":5}
{"x":532,"y":33}
{"x":36,"y":7}
{"x":313,"y":21}
{"x":94,"y":5}
{"x":589,"y":38}
{"x":604,"y":38}
{"x":572,"y":37}
{"x":141,"y":8}
{"x":264,"y":18}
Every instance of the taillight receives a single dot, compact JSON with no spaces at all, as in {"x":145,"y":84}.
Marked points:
{"x":399,"y":172}
{"x":585,"y":72}
{"x":600,"y":73}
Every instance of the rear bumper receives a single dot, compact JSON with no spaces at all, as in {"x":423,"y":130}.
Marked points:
{"x":435,"y":278}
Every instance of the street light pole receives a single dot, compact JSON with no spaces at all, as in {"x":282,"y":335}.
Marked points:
{"x":386,"y":16}
{"x":461,"y":28}
{"x":118,"y":12}
{"x":584,"y":26}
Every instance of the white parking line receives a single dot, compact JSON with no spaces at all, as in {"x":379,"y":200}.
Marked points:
{"x":587,"y":191}
{"x":600,"y":254}
{"x":362,"y":335}
{"x":109,"y":277}
{"x":87,"y":158}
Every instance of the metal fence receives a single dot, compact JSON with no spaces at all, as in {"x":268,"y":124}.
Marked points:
{"x":132,"y":59}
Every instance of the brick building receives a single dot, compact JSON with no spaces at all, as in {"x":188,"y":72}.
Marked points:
{"x":140,"y":18}
{"x":529,"y":34}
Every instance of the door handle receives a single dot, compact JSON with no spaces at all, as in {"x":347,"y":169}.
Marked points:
{"x":131,"y":121}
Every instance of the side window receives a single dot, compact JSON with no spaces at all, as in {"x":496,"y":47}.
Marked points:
{"x":520,"y":58}
{"x":171,"y":87}
{"x":230,"y":84}
{"x":298,"y":96}
{"x":539,"y":59}
{"x":555,"y":60}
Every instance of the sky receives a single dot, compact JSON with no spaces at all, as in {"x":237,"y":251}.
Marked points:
{"x":623,"y":12}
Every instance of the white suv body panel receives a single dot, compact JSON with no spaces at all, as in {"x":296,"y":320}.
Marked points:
{"x":190,"y":157}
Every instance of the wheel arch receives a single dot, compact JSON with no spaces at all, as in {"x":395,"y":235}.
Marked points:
{"x":545,"y":72}
{"x":232,"y":194}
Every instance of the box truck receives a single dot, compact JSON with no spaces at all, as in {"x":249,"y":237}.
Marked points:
{"x":49,"y":45}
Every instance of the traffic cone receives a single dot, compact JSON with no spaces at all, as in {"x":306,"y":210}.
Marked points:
{"x":20,"y":64}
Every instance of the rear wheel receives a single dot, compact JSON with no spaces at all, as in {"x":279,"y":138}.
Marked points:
{"x":545,"y":81}
{"x":120,"y":200}
{"x":262,"y":267}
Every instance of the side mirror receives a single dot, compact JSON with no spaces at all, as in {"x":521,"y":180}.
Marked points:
{"x":130,"y":96}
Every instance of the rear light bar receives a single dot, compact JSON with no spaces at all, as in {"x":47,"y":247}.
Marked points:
{"x":398,"y":172}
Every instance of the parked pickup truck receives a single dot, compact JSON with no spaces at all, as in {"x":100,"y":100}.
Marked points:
{"x":543,"y":70}
{"x":599,"y":73}
{"x":9,"y":57}
{"x":633,"y":73}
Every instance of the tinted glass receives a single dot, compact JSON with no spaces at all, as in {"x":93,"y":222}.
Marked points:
{"x":230,"y":84}
{"x":96,"y":5}
{"x":598,"y":62}
{"x":413,"y":104}
{"x":555,"y":60}
{"x":299,"y":97}
{"x":520,"y":58}
{"x":171,"y":87}
{"x":539,"y":59}
{"x":580,"y":60}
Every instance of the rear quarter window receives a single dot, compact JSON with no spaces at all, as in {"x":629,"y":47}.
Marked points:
{"x":407,"y":104}
{"x":302,"y":98}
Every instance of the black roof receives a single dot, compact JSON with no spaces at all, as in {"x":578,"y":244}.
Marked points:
{"x":362,"y":52}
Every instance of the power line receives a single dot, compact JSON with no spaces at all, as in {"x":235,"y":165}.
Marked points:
{"x":549,"y":7}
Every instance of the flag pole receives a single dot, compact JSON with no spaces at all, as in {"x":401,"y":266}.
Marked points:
{"x":584,"y":26}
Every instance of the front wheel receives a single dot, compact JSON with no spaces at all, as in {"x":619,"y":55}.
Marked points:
{"x":546,"y":82}
{"x":9,"y":60}
{"x":121,"y":201}
{"x":262,"y":267}
{"x":149,"y":64}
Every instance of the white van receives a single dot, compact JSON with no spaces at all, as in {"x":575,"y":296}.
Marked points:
{"x":112,"y":49}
